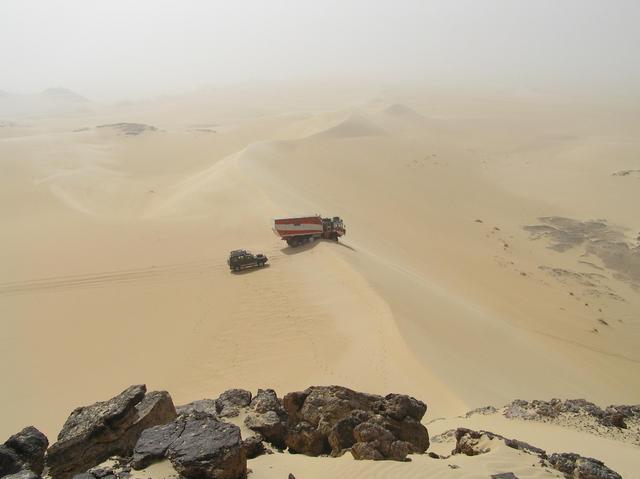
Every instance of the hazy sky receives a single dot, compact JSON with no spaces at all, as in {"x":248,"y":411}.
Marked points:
{"x":110,"y":49}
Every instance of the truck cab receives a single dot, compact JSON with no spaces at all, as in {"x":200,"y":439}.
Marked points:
{"x":241,"y":259}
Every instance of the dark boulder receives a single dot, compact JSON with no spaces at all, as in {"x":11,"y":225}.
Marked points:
{"x":198,"y":446}
{"x":336,"y":413}
{"x":265,"y":400}
{"x":341,"y":435}
{"x":154,"y":442}
{"x":375,"y":442}
{"x":269,"y":425}
{"x":10,"y":462}
{"x":30,"y":445}
{"x":400,"y":406}
{"x":231,"y":401}
{"x":306,"y":439}
{"x":579,"y":467}
{"x":253,"y":446}
{"x":94,"y":433}
{"x":208,"y":449}
{"x":268,"y":418}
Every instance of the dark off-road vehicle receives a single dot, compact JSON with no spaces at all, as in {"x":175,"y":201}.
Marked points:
{"x":240,"y":259}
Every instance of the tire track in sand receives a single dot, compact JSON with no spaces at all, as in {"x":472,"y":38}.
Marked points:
{"x":173,"y":271}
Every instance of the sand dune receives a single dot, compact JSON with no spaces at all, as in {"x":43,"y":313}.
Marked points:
{"x":114,"y":248}
{"x":354,"y":126}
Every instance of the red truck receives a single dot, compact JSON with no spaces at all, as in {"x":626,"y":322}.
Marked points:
{"x":300,"y":229}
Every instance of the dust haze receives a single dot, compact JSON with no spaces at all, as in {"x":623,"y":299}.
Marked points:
{"x":127,"y":50}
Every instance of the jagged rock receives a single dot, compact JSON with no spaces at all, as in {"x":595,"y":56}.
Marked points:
{"x":270,"y":425}
{"x":198,"y":446}
{"x":84,"y":475}
{"x":579,"y":467}
{"x":336,"y":412}
{"x":400,"y":406}
{"x":306,"y":439}
{"x":208,"y":449}
{"x":375,"y":442}
{"x":10,"y":462}
{"x":468,"y":443}
{"x":94,"y":433}
{"x":207,"y":406}
{"x":366,"y":451}
{"x":229,"y":402}
{"x":253,"y":446}
{"x":154,"y":442}
{"x":268,"y":418}
{"x":341,"y":435}
{"x":30,"y":445}
{"x":266,"y":400}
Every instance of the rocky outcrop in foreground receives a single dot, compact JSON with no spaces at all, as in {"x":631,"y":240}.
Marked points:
{"x":94,"y":433}
{"x":335,"y":419}
{"x":136,"y":429}
{"x":574,"y":466}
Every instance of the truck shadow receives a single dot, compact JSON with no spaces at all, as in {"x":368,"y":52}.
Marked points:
{"x":288,"y":250}
{"x":251,"y":270}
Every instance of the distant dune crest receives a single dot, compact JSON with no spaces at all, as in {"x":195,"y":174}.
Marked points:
{"x":399,"y":110}
{"x":354,"y":126}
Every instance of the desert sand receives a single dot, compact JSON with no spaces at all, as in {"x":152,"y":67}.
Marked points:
{"x":491,"y":254}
